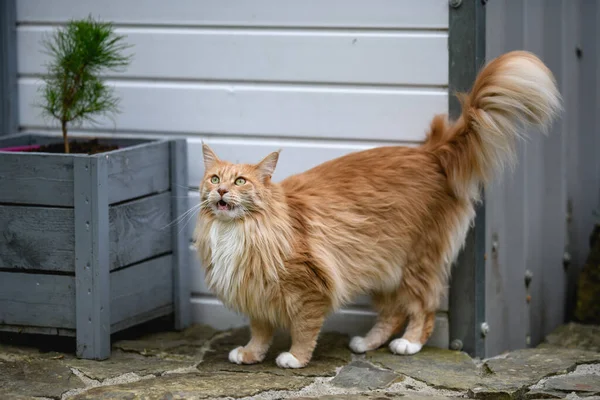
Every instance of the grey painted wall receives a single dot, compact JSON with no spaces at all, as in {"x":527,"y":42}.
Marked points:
{"x":528,"y":229}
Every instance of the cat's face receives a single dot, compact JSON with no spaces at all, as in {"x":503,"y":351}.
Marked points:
{"x":232,"y":191}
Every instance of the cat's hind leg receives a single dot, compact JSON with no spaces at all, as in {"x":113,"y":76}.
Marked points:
{"x":256,"y":349}
{"x":418,"y":331}
{"x":390,"y":319}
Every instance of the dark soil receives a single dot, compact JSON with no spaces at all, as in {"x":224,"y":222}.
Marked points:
{"x":87,"y":147}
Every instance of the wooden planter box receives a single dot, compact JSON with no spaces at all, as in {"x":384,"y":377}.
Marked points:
{"x":86,"y":245}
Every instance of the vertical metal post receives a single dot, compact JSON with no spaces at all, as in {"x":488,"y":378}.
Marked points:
{"x":466,"y":46}
{"x":8,"y":67}
{"x":92,"y":271}
{"x":180,"y":239}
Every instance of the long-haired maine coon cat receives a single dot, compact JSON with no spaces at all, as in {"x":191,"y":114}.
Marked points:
{"x":387,"y":222}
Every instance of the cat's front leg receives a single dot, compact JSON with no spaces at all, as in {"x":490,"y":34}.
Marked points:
{"x":256,"y":349}
{"x":305,"y":331}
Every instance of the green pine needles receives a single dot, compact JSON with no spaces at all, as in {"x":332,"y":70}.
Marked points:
{"x":73,"y":90}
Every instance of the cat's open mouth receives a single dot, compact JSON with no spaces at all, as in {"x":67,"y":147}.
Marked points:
{"x":222,"y":205}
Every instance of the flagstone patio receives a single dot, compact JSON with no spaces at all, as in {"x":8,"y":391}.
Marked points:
{"x":193,"y":365}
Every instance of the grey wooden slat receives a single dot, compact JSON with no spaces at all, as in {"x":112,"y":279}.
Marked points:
{"x":466,"y":46}
{"x":534,"y":199}
{"x":496,"y":314}
{"x":37,"y":331}
{"x":37,"y":300}
{"x":140,"y":229}
{"x":513,"y":243}
{"x":9,"y":116}
{"x":22,"y":139}
{"x":138,"y":171}
{"x":141,"y":288}
{"x":142,"y":317}
{"x":37,"y":238}
{"x":573,"y":129}
{"x":180,"y":237}
{"x":17,"y":139}
{"x":584,"y":189}
{"x":92,"y":257}
{"x":40,"y":179}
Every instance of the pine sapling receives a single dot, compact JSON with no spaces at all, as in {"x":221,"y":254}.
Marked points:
{"x":79,"y":53}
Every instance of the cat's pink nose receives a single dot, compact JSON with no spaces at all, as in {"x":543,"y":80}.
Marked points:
{"x":222,"y":191}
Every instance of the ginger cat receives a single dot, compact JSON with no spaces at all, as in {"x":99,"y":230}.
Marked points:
{"x":388,"y":221}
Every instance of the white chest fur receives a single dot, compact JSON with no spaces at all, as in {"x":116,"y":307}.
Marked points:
{"x":227,"y":244}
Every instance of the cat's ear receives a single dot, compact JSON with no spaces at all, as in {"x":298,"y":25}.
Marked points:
{"x":210,"y":158}
{"x":266,"y":167}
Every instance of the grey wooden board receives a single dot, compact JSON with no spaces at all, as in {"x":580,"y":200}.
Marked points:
{"x":584,"y":163}
{"x":142,"y":317}
{"x":41,"y":179}
{"x":141,"y":288}
{"x":37,"y":300}
{"x":19,"y":139}
{"x":47,"y":179}
{"x":179,"y":236}
{"x":92,"y":257}
{"x":140,"y":229}
{"x":573,"y":129}
{"x":37,"y":331}
{"x":533,"y":40}
{"x":506,"y":312}
{"x":42,"y":238}
{"x":137,"y":171}
{"x":37,"y":238}
{"x":9,"y":116}
{"x":466,"y":47}
{"x":555,"y":185}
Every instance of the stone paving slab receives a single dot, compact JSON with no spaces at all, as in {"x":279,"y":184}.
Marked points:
{"x":574,"y":336}
{"x":36,"y":378}
{"x":375,"y":396}
{"x":121,"y":363}
{"x":440,"y":368}
{"x":197,"y":386}
{"x":331,"y":353}
{"x":186,"y":345}
{"x":193,"y":365}
{"x":360,"y":374}
{"x":524,"y":368}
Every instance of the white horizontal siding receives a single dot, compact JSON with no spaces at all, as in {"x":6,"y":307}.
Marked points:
{"x":317,"y":78}
{"x":286,"y":13}
{"x":296,"y":156}
{"x":262,"y":110}
{"x":353,"y":321}
{"x":403,"y":58}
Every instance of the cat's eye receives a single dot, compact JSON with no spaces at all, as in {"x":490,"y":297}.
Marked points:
{"x":240,"y":181}
{"x":214,"y":180}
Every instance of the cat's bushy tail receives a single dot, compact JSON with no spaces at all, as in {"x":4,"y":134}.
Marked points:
{"x":511,"y":92}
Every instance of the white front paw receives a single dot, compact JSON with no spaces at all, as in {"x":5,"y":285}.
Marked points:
{"x":287,"y":360}
{"x":236,"y":356}
{"x":403,"y":346}
{"x":358,"y":345}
